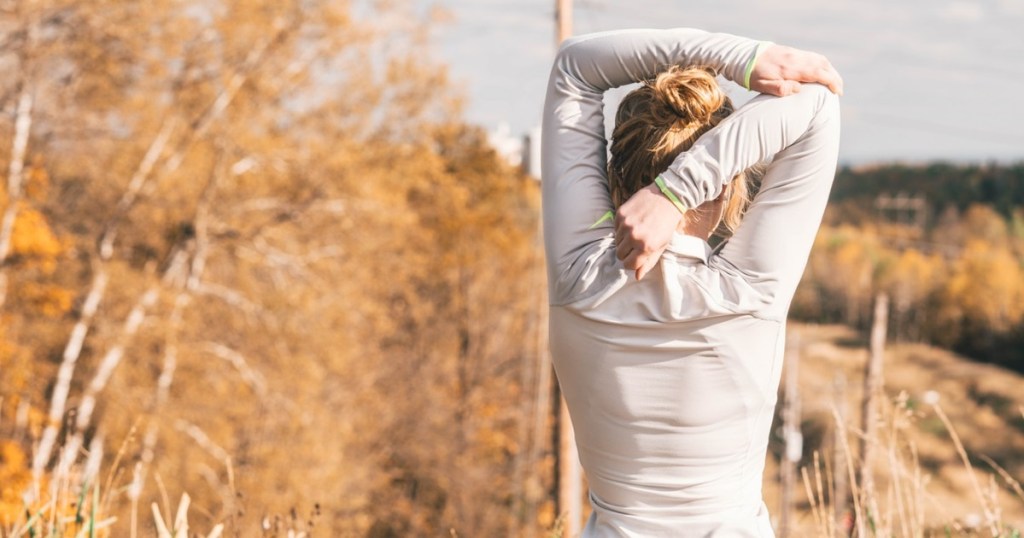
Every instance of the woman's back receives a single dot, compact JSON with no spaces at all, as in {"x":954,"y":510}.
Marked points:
{"x":670,"y":381}
{"x":672,"y":393}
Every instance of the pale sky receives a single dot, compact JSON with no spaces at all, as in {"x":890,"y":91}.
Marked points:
{"x":925,"y":79}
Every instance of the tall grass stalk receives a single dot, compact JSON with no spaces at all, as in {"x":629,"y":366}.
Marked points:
{"x":991,"y":515}
{"x":897,"y":507}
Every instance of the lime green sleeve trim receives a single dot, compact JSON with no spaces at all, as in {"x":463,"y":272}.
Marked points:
{"x":671,"y":195}
{"x":609,"y":215}
{"x":753,"y":62}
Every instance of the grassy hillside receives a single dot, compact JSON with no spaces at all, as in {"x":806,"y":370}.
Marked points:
{"x":917,"y":468}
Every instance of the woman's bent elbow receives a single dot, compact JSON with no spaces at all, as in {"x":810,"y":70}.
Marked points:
{"x":828,"y":102}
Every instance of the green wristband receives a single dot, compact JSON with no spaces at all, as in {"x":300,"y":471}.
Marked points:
{"x":670,"y":195}
{"x":752,"y":62}
{"x":608,"y":215}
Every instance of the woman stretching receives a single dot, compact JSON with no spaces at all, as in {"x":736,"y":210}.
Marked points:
{"x":669,"y":353}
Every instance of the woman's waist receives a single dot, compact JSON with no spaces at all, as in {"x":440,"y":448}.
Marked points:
{"x":687,"y":508}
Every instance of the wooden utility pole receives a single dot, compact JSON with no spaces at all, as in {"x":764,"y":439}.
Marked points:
{"x":872,"y":389}
{"x":839,"y":485}
{"x":570,"y":475}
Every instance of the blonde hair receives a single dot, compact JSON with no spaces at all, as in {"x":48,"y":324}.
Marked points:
{"x":661,"y":119}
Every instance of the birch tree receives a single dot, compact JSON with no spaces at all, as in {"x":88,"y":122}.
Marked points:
{"x":295,"y":277}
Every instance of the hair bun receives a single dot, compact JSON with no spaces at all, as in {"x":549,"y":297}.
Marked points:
{"x":657,"y":121}
{"x":692,"y":94}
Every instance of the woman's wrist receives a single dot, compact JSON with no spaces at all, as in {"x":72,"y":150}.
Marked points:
{"x":660,"y":183}
{"x":761,"y":47}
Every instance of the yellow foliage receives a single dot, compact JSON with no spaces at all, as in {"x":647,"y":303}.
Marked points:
{"x":6,"y":349}
{"x":16,"y":480}
{"x":982,"y":222}
{"x":46,"y":299}
{"x":37,"y":181}
{"x":496,"y":444}
{"x":546,"y":514}
{"x":15,"y":477}
{"x":362,"y":248}
{"x":987,"y":285}
{"x":845,"y":265}
{"x":34,"y":238}
{"x":912,"y":277}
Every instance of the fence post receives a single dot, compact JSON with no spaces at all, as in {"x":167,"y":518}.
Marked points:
{"x":872,"y":390}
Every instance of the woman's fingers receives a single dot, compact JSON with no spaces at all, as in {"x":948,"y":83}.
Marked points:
{"x":642,"y":262}
{"x":780,"y":88}
{"x":830,"y":77}
{"x":632,"y":260}
{"x":621,"y":247}
{"x":643,"y":228}
{"x":646,"y":265}
{"x":780,"y":68}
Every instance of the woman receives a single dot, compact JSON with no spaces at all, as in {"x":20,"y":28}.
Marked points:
{"x":671,"y":378}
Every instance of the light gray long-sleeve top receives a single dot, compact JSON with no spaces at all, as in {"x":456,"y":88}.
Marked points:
{"x":671,"y":381}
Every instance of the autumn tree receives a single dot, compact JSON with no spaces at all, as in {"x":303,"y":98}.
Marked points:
{"x":252,"y":248}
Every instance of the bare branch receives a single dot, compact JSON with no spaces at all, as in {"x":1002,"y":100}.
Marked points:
{"x":253,"y":378}
{"x":163,"y":383}
{"x":333,"y":206}
{"x":97,"y":289}
{"x":231,"y":297}
{"x":113,"y":357}
{"x":197,"y":130}
{"x":65,"y":372}
{"x":201,"y":224}
{"x":184,"y":296}
{"x":278,"y":259}
{"x":202,"y":124}
{"x":94,"y":459}
{"x":203,"y":440}
{"x":163,"y":389}
{"x":135,"y":184}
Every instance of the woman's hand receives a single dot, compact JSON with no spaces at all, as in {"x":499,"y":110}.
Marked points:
{"x":644,"y":224}
{"x":643,"y":228}
{"x":780,"y":70}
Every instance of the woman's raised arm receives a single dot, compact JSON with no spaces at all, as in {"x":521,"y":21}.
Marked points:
{"x":644,"y":224}
{"x":799,"y":135}
{"x":575,"y":192}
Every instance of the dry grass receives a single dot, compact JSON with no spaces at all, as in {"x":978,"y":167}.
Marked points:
{"x":73,"y":503}
{"x":947,"y":449}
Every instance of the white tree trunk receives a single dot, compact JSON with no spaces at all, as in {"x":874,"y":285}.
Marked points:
{"x":15,"y":181}
{"x":106,"y":249}
{"x":873,"y":381}
{"x":113,"y":357}
{"x":65,"y":372}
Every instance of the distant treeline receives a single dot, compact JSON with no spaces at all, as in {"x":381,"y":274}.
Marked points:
{"x":943,"y":186}
{"x":945,"y":242}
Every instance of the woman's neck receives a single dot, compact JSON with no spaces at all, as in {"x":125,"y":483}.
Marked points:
{"x":702,"y":221}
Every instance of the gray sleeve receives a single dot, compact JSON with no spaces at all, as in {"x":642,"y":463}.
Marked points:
{"x":575,"y":190}
{"x":800,"y":134}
